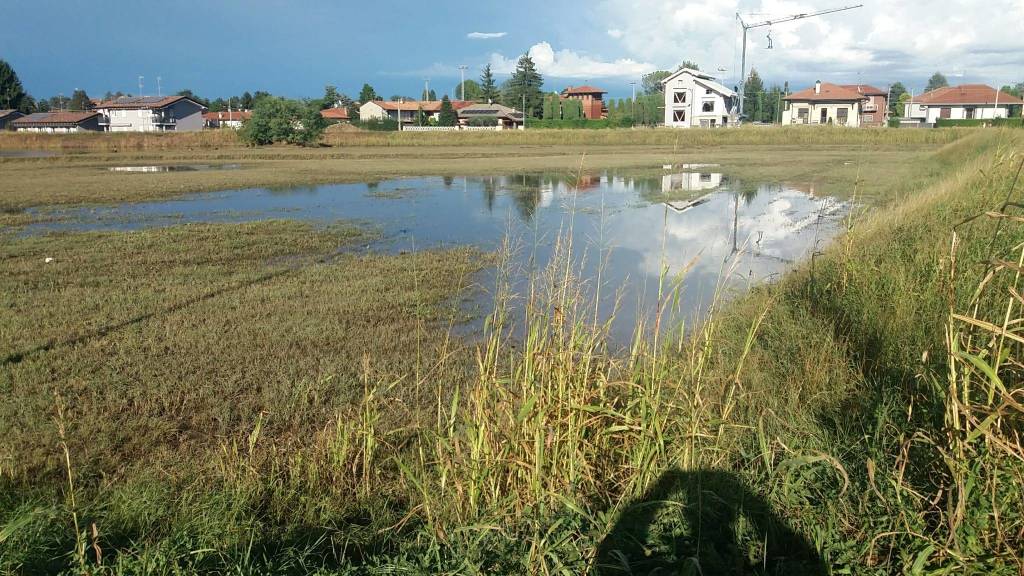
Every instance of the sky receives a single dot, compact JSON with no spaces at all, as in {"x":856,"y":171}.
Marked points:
{"x":219,"y":48}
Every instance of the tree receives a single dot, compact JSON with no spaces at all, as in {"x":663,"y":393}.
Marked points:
{"x":468,"y":90}
{"x":422,"y":118}
{"x":525,"y":84}
{"x":331,"y":97}
{"x":80,"y":101}
{"x":896,"y":92}
{"x":1016,"y":90}
{"x":753,"y":97}
{"x":936,"y":81}
{"x":280,"y":120}
{"x":367,"y":94}
{"x":12,"y":93}
{"x":652,"y":83}
{"x":572,"y":110}
{"x":448,"y":116}
{"x":488,"y":89}
{"x":246,"y":101}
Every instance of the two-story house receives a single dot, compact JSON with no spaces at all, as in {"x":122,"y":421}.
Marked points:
{"x":591,"y":98}
{"x":695,"y":100}
{"x":874,"y":111}
{"x":825,"y":104}
{"x":151,"y":114}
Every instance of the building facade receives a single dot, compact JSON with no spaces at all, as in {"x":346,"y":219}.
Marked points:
{"x":874,"y":111}
{"x":233,"y":119}
{"x":406,"y":110}
{"x":151,"y":114}
{"x":695,"y":100}
{"x":59,"y":122}
{"x":591,"y":98}
{"x":502,"y":117}
{"x":825,"y":105}
{"x":966,"y":102}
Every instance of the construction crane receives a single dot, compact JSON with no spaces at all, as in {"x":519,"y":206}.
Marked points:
{"x":747,"y":27}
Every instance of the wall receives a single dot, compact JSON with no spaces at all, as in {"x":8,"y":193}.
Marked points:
{"x":696,"y":95}
{"x":791,"y":114}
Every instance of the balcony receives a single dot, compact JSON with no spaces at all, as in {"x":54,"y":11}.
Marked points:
{"x":157,"y":119}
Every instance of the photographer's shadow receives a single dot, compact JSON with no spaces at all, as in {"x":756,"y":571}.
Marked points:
{"x":704,"y":522}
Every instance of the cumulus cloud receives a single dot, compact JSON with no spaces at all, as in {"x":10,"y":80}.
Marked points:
{"x":486,"y":35}
{"x":908,"y":40}
{"x":569,"y":64}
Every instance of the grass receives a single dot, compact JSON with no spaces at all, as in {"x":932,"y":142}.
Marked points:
{"x":862,"y":415}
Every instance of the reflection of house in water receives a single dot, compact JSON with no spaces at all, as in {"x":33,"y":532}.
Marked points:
{"x":691,"y":182}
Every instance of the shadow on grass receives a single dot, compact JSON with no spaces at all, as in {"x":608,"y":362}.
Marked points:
{"x":704,"y":522}
{"x":18,"y":357}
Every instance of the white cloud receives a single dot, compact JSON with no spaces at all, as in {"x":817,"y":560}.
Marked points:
{"x":486,"y":35}
{"x":570,"y":64}
{"x":615,"y":33}
{"x":907,"y":41}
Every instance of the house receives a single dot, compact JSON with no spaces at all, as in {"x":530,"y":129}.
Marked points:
{"x":409,"y":110}
{"x":875,"y":111}
{"x":591,"y":98}
{"x":966,"y":102}
{"x":151,"y":114}
{"x":233,"y":119}
{"x":335,"y":115}
{"x":8,"y":116}
{"x":503,"y":117}
{"x":694,"y":99}
{"x":825,"y":104}
{"x":59,"y":122}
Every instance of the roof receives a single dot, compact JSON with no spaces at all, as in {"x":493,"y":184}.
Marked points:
{"x":829,"y":93}
{"x":335,"y":113}
{"x":425,"y":105}
{"x":691,"y":72}
{"x":55,"y":119}
{"x":708,"y":83}
{"x":6,"y":113}
{"x":225,"y":116}
{"x":142,"y":102}
{"x":967,"y":94}
{"x":865,"y":89}
{"x":485,"y":110}
{"x":583,"y":90}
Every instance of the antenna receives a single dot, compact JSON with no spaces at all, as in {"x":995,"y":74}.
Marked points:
{"x":140,"y":84}
{"x":747,"y":27}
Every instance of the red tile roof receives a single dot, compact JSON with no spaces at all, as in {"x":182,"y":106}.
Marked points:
{"x":865,"y":89}
{"x":967,"y":94}
{"x":829,"y":93}
{"x":426,"y":105}
{"x":583,"y":90}
{"x":335,"y":113}
{"x":54,"y":119}
{"x":140,"y":102}
{"x":225,"y":116}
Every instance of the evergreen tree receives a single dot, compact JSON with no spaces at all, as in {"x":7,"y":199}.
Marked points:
{"x":367,"y":94}
{"x":471,"y":89}
{"x":896,"y":92}
{"x":422,"y":119}
{"x":331,"y":97}
{"x":246,"y":101}
{"x":80,"y":101}
{"x":753,"y":101}
{"x":448,"y":116}
{"x":525,"y":87}
{"x":12,"y":93}
{"x":488,"y":89}
{"x":936,"y":81}
{"x":572,"y":110}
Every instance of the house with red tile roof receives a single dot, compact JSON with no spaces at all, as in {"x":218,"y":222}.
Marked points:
{"x":592,"y":99}
{"x":965,"y":102}
{"x":875,"y":111}
{"x":59,"y":122}
{"x":407,"y":109}
{"x":233,"y":119}
{"x":151,"y":114}
{"x":335,"y":115}
{"x":825,"y":104}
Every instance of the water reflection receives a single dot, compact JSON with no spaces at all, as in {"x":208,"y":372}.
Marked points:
{"x":174,"y":168}
{"x":701,"y":222}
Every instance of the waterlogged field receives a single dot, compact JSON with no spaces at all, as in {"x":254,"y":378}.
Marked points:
{"x":219,"y":371}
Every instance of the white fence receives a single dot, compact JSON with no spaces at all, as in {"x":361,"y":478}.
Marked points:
{"x":451,"y":128}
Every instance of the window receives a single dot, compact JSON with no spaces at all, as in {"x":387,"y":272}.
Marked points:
{"x":842,"y":115}
{"x":969,"y":113}
{"x":945,"y":112}
{"x":679,"y":115}
{"x":705,"y":177}
{"x":709,"y":91}
{"x":679,"y":97}
{"x":709,"y":106}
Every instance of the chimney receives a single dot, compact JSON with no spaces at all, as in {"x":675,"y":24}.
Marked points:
{"x":817,"y":87}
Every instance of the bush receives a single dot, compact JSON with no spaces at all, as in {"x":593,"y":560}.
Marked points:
{"x":377,"y":125}
{"x":998,"y":122}
{"x":484,"y":121}
{"x":581,"y":123}
{"x":277,"y":120}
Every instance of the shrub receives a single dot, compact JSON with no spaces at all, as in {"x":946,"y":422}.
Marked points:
{"x":277,"y":120}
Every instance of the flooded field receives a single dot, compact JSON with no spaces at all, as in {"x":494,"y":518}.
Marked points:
{"x":626,"y":232}
{"x":174,"y":168}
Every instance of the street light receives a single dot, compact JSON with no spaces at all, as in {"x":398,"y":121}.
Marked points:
{"x":463,"y":69}
{"x":632,"y":113}
{"x":400,"y":102}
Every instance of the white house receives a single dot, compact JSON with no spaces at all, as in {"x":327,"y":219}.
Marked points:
{"x":826,"y":104}
{"x":966,"y":102}
{"x":233,"y":119}
{"x":409,"y":110}
{"x":59,"y":122}
{"x":151,"y":114}
{"x":694,"y":99}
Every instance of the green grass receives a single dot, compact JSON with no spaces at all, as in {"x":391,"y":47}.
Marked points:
{"x":324,"y":421}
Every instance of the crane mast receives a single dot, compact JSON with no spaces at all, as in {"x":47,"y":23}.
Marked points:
{"x":747,"y":27}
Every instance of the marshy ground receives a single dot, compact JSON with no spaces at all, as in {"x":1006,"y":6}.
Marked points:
{"x":267,"y":397}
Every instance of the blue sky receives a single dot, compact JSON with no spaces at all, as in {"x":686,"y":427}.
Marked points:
{"x":294,"y":48}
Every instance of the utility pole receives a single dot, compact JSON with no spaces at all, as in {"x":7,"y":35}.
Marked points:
{"x":747,"y":27}
{"x":462,"y":70}
{"x":159,"y":89}
{"x":632,"y":114}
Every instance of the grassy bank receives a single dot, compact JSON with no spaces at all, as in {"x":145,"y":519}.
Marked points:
{"x":843,"y":419}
